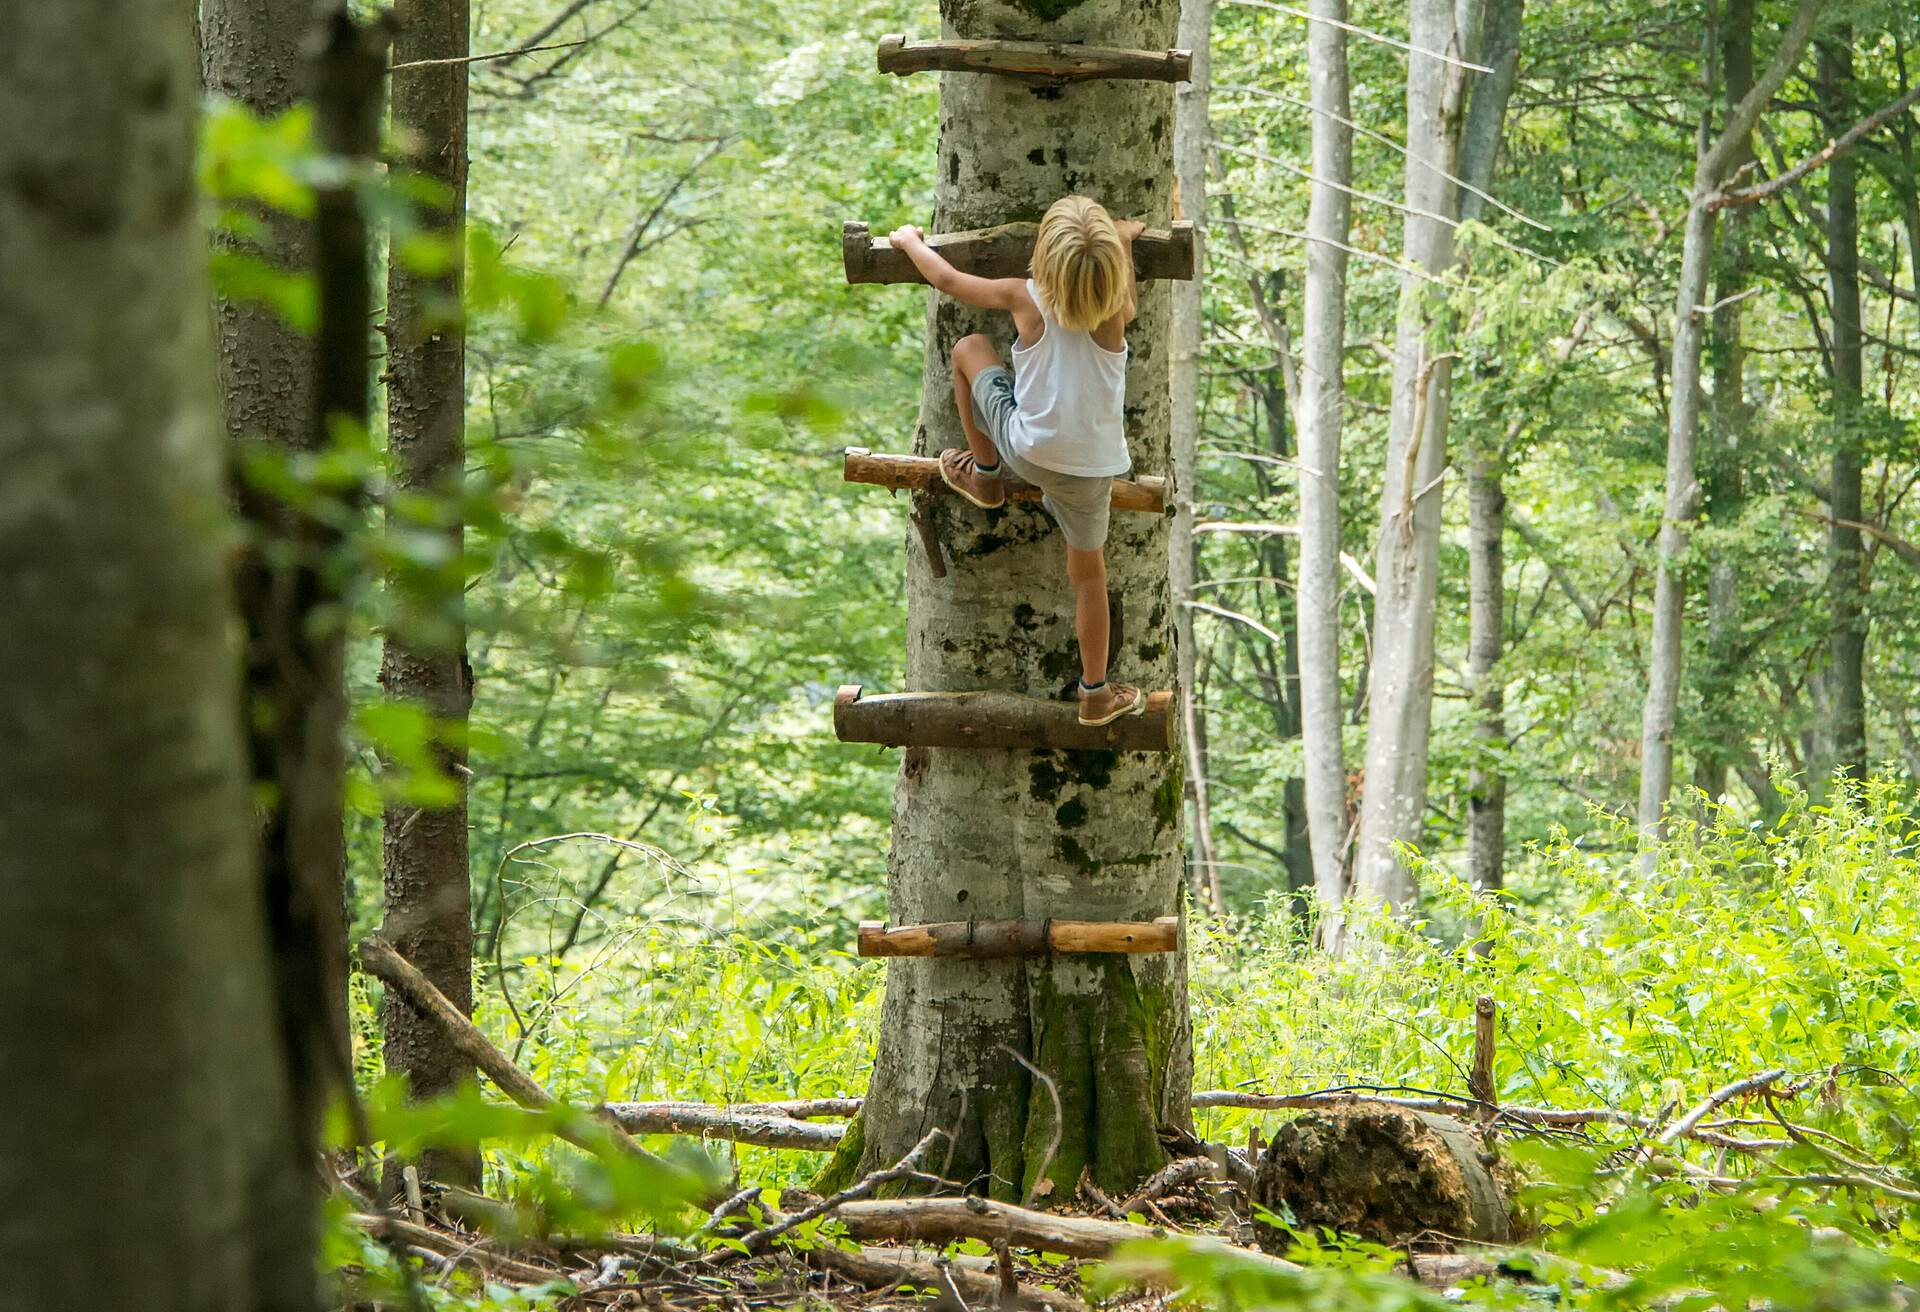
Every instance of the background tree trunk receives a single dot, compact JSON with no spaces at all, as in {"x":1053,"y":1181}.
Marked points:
{"x":1486,"y":491}
{"x":1721,"y":730}
{"x":1322,"y":414}
{"x":1847,"y":642}
{"x":1190,"y":139}
{"x":295,"y":688}
{"x":1032,"y":834}
{"x":1400,"y":708}
{"x":1683,"y":424}
{"x":425,"y":849}
{"x":144,"y":1119}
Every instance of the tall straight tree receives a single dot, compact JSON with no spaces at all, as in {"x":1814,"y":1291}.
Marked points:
{"x":1032,"y":834}
{"x":145,"y":1114}
{"x":252,"y":53}
{"x":1320,"y":421}
{"x":1847,"y":562}
{"x":1400,"y":703}
{"x":1723,"y":476}
{"x":1714,"y":164}
{"x":1191,"y":130}
{"x":429,"y":901}
{"x":1486,"y":485}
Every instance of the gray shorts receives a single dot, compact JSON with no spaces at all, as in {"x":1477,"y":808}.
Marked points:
{"x":1081,"y":506}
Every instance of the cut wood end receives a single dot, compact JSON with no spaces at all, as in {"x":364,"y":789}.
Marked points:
{"x":849,"y":694}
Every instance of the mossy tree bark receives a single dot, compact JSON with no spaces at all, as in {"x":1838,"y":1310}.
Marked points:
{"x":1032,"y":834}
{"x":144,"y":1113}
{"x":429,"y":899}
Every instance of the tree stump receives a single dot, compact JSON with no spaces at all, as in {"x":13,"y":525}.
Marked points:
{"x":1382,"y":1174}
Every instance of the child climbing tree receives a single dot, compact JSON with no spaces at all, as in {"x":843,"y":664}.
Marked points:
{"x":1043,"y":1065}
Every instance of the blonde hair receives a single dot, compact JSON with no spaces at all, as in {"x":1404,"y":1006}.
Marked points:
{"x":1080,"y":264}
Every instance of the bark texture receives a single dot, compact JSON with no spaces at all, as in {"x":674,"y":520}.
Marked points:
{"x":1486,"y":490}
{"x":1322,"y":415}
{"x":1847,"y":642}
{"x":1190,"y":140}
{"x":144,"y":1118}
{"x":1717,"y":154}
{"x":1030,"y":834}
{"x":425,"y":849}
{"x":285,"y":577}
{"x":1400,"y":704}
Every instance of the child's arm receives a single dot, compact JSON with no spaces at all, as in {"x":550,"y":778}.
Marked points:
{"x":1130,"y":230}
{"x":986,"y":293}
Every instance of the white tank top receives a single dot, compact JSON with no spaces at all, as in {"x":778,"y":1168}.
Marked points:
{"x":1070,"y":392}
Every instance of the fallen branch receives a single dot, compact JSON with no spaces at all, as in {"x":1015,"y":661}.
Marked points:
{"x":885,"y":1268}
{"x":907,"y":1168}
{"x":943,"y":1220}
{"x":378,"y":958}
{"x":704,"y":1122}
{"x":453,"y":1248}
{"x":1182,"y":1171}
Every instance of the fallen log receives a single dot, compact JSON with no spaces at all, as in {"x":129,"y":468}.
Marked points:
{"x":993,"y":720}
{"x":922,"y":474}
{"x":723,"y":1123}
{"x":1384,"y":1174}
{"x":1002,"y":252}
{"x":379,"y":959}
{"x":455,"y":1249}
{"x":1040,"y":63}
{"x":991,"y":939}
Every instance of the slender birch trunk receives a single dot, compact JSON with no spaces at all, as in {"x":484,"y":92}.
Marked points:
{"x":148,"y":1155}
{"x":429,"y":899}
{"x":1190,"y":135}
{"x":1400,"y":706}
{"x":1319,"y":422}
{"x":1847,"y":640}
{"x":1032,"y":834}
{"x":1683,"y":426}
{"x":1486,"y":492}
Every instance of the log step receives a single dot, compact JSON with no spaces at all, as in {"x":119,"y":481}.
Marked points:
{"x":1002,"y":720}
{"x":922,"y":474}
{"x":981,"y":940}
{"x":1039,"y":63}
{"x":1002,"y":252}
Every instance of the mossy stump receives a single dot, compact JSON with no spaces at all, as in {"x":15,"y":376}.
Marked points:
{"x":1382,"y":1174}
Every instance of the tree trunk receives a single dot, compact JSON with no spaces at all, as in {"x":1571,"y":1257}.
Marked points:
{"x":1400,"y":708}
{"x":1030,"y":834}
{"x":295,"y":688}
{"x":1720,"y":733}
{"x":1322,"y":413}
{"x":1486,"y":491}
{"x":145,"y":1128}
{"x":1847,"y":641}
{"x":1683,"y":426}
{"x":424,"y":663}
{"x":1190,"y":136}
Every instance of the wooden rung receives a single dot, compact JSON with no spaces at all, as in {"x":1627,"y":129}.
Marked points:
{"x":1042,"y":63}
{"x":994,"y":719}
{"x":922,"y":474}
{"x":985,"y":939}
{"x":1002,"y":252}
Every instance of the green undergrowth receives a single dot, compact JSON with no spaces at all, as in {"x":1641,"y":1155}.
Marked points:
{"x":1748,"y":948}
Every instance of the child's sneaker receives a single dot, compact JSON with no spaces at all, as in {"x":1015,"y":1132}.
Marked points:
{"x":1109,"y":702}
{"x":960,"y":469}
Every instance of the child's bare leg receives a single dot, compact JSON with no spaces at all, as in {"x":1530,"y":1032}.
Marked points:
{"x":1087,"y":572}
{"x":971,"y":354}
